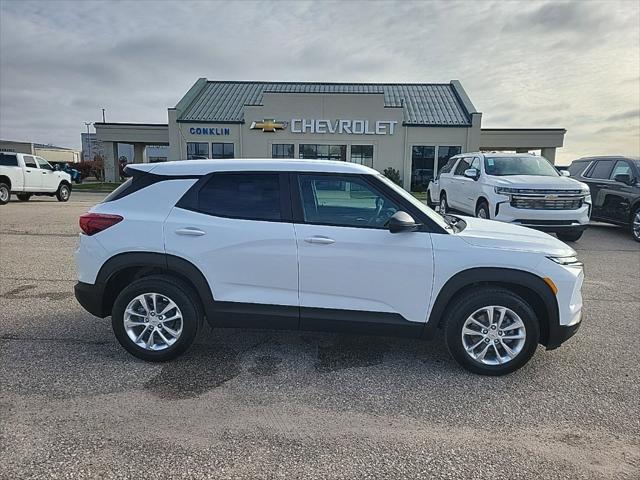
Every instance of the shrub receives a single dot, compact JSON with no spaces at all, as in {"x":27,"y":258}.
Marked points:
{"x":393,"y":175}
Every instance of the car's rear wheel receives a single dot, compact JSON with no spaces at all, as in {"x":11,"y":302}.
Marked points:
{"x":571,"y":236}
{"x":635,"y":225}
{"x":482,"y":211}
{"x":23,"y":197}
{"x":64,"y":192}
{"x":5,"y":193}
{"x":156,"y":318}
{"x":444,"y":206}
{"x":492,"y":331}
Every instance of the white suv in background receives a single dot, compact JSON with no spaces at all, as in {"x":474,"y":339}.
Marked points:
{"x":315,"y":245}
{"x":523,"y":189}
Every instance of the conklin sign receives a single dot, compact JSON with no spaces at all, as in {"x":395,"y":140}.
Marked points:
{"x":353,"y":127}
{"x":310,"y":125}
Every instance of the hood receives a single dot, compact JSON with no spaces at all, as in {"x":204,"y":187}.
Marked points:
{"x":536,"y":182}
{"x":500,"y":235}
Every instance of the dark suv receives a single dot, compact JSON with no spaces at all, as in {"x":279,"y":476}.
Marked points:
{"x":615,"y":189}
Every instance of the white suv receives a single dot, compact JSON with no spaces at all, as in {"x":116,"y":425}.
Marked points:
{"x":316,"y":245}
{"x":517,"y":188}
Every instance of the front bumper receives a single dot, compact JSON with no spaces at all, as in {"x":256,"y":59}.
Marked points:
{"x":545,"y":220}
{"x":558,"y":334}
{"x":91,"y":297}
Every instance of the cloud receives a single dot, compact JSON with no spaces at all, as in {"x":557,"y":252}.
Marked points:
{"x":523,"y":64}
{"x":631,"y":114}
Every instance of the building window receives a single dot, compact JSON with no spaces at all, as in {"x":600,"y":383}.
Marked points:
{"x":422,"y":162}
{"x":157,"y":159}
{"x":324,"y":152}
{"x":197,"y":150}
{"x":445,"y":153}
{"x":362,"y":154}
{"x":282,"y":150}
{"x":222,"y":150}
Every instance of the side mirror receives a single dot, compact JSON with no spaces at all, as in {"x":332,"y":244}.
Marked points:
{"x":565,"y":173}
{"x":472,"y":173}
{"x":402,"y":222}
{"x":624,"y":178}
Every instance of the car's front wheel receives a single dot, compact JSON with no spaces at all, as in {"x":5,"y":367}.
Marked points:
{"x":482,"y":211}
{"x":444,"y":206}
{"x":64,"y":192}
{"x":635,"y":225}
{"x":156,"y":318}
{"x":492,"y":331}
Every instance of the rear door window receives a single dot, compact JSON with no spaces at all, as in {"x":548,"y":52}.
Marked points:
{"x":601,"y":169}
{"x":8,"y":160}
{"x":29,"y":161}
{"x":249,"y":196}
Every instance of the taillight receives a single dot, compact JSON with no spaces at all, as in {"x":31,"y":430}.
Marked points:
{"x":92,"y":223}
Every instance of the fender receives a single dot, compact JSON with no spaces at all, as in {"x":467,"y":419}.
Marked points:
{"x":157,"y":261}
{"x":496,"y":276}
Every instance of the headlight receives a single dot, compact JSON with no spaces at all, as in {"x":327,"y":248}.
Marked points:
{"x":505,"y":190}
{"x":571,"y":261}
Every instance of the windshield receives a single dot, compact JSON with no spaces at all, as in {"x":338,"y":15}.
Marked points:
{"x":415,"y":202}
{"x":526,"y":165}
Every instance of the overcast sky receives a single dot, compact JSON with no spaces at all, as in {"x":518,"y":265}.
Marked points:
{"x":523,"y":64}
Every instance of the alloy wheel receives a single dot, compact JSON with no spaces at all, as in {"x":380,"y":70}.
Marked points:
{"x":636,"y":225}
{"x":4,"y":194}
{"x":493,"y":335}
{"x":153,"y":321}
{"x":64,"y":192}
{"x":443,"y":205}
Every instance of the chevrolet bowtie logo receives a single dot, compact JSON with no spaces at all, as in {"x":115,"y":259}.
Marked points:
{"x":268,"y":125}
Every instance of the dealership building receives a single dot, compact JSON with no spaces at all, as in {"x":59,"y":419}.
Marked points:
{"x":411,"y":128}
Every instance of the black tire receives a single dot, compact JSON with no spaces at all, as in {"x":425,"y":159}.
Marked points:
{"x":23,"y":197}
{"x":5,"y":193}
{"x":463,"y":307}
{"x":179,"y":292}
{"x":64,"y":192}
{"x":482,"y":211}
{"x":571,"y":236}
{"x":635,"y":225}
{"x":444,"y":205}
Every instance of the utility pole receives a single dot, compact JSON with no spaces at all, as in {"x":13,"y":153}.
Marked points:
{"x":88,"y":124}
{"x":103,"y":120}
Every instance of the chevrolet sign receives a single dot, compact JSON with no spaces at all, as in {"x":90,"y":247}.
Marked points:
{"x":350,"y":127}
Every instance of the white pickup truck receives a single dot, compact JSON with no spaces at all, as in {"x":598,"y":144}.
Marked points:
{"x":27,"y":175}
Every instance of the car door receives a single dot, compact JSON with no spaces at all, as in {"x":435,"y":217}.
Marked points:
{"x":619,"y":195}
{"x":469,"y":189}
{"x":460,"y":186}
{"x":50,"y":180}
{"x":349,"y":262}
{"x":32,"y":175}
{"x":236,"y":228}
{"x":597,"y":177}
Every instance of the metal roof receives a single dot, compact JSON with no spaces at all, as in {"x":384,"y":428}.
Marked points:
{"x":425,"y":104}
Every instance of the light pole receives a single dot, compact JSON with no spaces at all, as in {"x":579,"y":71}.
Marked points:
{"x":103,"y":120}
{"x":88,"y":124}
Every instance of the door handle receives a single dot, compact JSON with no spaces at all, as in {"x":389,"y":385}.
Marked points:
{"x":319,"y":239}
{"x":26,"y":170}
{"x":191,"y":232}
{"x":44,"y":173}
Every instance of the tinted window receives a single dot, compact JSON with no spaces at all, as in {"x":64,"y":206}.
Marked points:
{"x":222,"y":150}
{"x":254,"y":196}
{"x":577,"y":167}
{"x":449,"y":165}
{"x":8,"y":160}
{"x":362,"y":154}
{"x":29,"y":161}
{"x":197,"y":150}
{"x":621,"y":168}
{"x":444,"y":154}
{"x":464,"y":164}
{"x":282,"y":150}
{"x":601,"y":169}
{"x":344,"y":201}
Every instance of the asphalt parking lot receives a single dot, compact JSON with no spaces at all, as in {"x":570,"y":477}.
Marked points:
{"x":256,"y":404}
